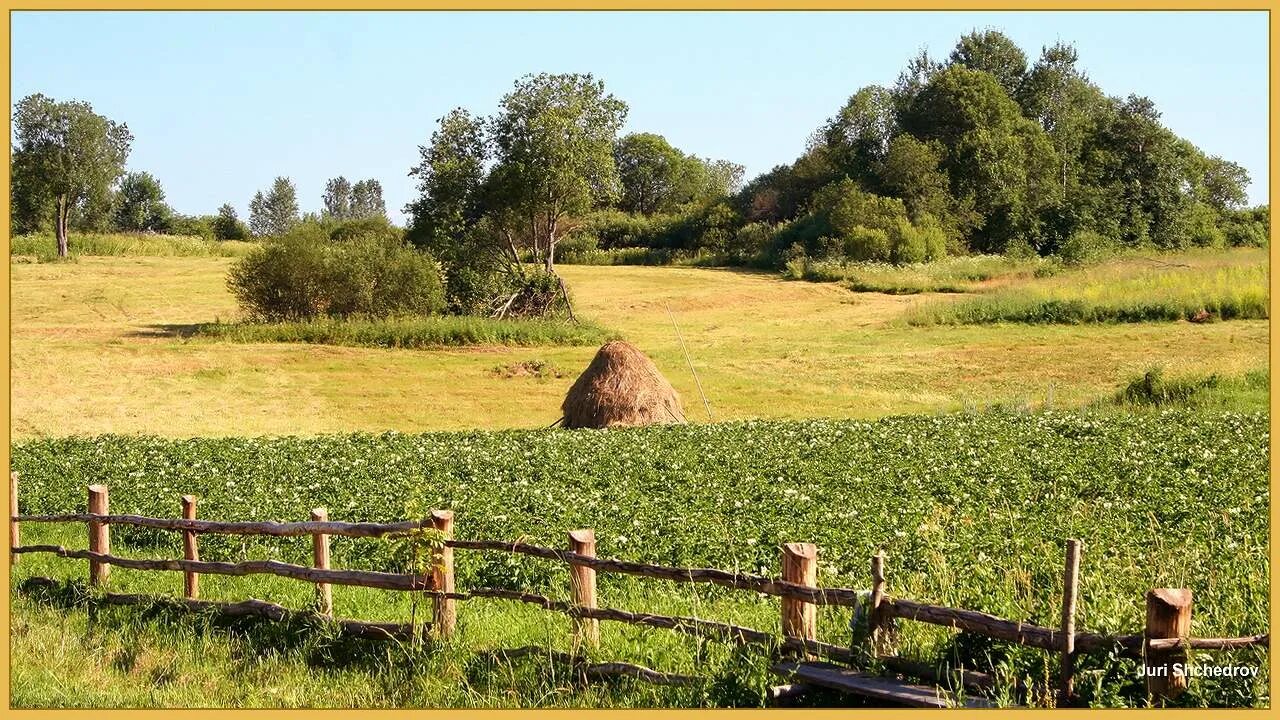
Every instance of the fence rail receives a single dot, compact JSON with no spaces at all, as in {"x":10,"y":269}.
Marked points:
{"x":1167,"y":610}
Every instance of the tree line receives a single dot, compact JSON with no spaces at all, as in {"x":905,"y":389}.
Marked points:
{"x":983,"y":152}
{"x":68,"y":171}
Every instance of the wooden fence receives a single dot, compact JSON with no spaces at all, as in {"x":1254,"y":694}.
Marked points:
{"x":1163,"y":643}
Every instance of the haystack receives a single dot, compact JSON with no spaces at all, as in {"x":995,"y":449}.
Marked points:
{"x":621,"y":387}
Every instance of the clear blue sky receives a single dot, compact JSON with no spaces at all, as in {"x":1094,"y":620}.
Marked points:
{"x":220,"y":103}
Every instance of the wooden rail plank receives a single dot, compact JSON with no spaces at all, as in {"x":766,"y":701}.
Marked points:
{"x":872,"y":686}
{"x":214,"y":527}
{"x":363,"y":578}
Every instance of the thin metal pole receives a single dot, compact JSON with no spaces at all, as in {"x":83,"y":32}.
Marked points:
{"x":685,"y":350}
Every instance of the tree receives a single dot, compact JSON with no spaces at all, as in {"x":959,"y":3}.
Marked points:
{"x":337,"y":198}
{"x":276,"y":212}
{"x":65,"y":156}
{"x":996,"y":159}
{"x":227,"y":225}
{"x":450,"y":173}
{"x":992,"y":51}
{"x":649,"y":170}
{"x":553,"y":140}
{"x":859,"y":134}
{"x":140,"y":204}
{"x":366,"y":199}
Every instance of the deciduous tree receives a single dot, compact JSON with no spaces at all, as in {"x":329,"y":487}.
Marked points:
{"x":65,"y":156}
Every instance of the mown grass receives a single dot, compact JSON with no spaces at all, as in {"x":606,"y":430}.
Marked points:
{"x":960,"y":274}
{"x":972,"y":510}
{"x":1192,"y":286}
{"x":435,"y":331}
{"x":44,"y":248}
{"x":94,"y":350}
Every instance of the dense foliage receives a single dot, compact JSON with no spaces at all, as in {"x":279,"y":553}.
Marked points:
{"x":987,"y":152}
{"x":310,"y":273}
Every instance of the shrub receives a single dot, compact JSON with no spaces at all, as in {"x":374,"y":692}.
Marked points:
{"x":751,"y":242}
{"x":299,"y":277}
{"x":1153,"y":388}
{"x":194,"y":225}
{"x":1084,"y":246}
{"x":1202,"y":227}
{"x":864,"y":243}
{"x":1250,"y":227}
{"x":375,"y":226}
{"x":907,"y":244}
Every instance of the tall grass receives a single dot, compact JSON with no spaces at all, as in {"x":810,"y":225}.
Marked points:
{"x":411,"y":332}
{"x":949,"y":275}
{"x":44,"y":247}
{"x":1156,"y":389}
{"x":1199,"y":287}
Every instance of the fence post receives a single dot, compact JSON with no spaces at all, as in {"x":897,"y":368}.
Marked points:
{"x":800,"y":566}
{"x":99,"y":534}
{"x":14,"y":540}
{"x":582,"y":582}
{"x":191,"y":579}
{"x":320,"y":548}
{"x":1168,"y":616}
{"x":1070,"y":595}
{"x":879,"y":628}
{"x":445,"y":615}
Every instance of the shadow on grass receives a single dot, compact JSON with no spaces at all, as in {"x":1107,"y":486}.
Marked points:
{"x":181,"y":331}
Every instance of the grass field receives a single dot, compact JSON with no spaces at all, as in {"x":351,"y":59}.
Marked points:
{"x":44,"y":248}
{"x":762,"y":347}
{"x":1213,"y":285}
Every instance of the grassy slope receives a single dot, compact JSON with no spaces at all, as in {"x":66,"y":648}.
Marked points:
{"x":95,"y":350}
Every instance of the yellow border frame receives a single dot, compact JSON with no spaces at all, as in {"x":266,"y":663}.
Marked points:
{"x":550,"y":5}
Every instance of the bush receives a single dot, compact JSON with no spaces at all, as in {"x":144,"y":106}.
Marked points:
{"x":1202,"y":227}
{"x":1250,"y":227}
{"x":908,"y":245}
{"x":299,"y":277}
{"x":751,"y":242}
{"x":376,"y":226}
{"x":194,"y":225}
{"x":1084,"y":246}
{"x":864,"y":243}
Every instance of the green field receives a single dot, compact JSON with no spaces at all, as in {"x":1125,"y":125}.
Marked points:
{"x":971,"y":508}
{"x":969,"y":452}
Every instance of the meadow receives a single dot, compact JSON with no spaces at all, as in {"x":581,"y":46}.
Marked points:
{"x":43,"y":248}
{"x":762,"y":347}
{"x":1199,"y":286}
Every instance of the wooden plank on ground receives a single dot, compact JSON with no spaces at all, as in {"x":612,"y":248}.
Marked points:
{"x":897,"y":692}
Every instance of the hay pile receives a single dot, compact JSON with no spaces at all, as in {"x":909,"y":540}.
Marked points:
{"x":621,"y":387}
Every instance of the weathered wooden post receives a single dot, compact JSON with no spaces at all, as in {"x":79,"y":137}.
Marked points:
{"x":445,"y":615}
{"x":875,"y":616}
{"x":320,"y":549}
{"x":800,"y":566}
{"x":1070,"y":596}
{"x":582,"y":583}
{"x":1168,"y":616}
{"x":99,"y":534}
{"x":191,"y":579}
{"x":14,"y":540}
